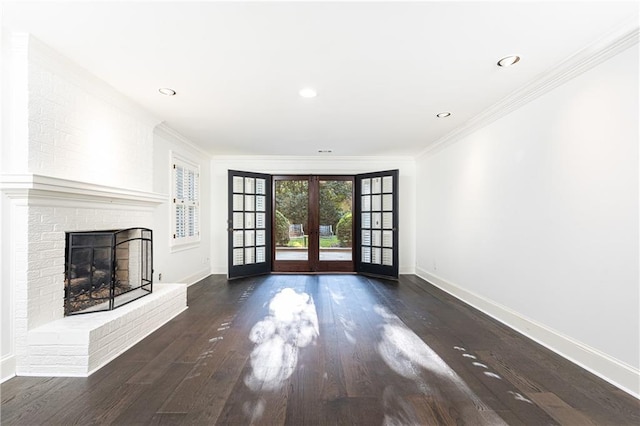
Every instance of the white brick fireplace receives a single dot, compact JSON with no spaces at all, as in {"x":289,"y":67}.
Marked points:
{"x":43,"y":209}
{"x":76,"y":156}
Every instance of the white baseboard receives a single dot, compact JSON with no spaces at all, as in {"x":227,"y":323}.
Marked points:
{"x":194,"y":278}
{"x":407,"y":270}
{"x":614,"y":371}
{"x":222,"y":270}
{"x":7,"y":368}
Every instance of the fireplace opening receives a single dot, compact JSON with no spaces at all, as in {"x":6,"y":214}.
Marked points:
{"x":107,"y":269}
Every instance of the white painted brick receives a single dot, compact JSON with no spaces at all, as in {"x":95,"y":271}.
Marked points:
{"x":36,"y":226}
{"x":52,"y":270}
{"x":40,"y":245}
{"x":48,"y":342}
{"x":33,"y":275}
{"x":73,"y":350}
{"x":51,"y":236}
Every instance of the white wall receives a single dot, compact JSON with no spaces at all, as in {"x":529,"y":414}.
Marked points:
{"x":182,"y":264}
{"x":311,"y":165}
{"x":534,"y":219}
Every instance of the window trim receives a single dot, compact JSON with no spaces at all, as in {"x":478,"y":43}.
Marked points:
{"x":183,"y":243}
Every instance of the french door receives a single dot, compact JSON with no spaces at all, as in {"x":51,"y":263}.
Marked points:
{"x":377,"y":223}
{"x":249,"y":224}
{"x":313,"y":223}
{"x":313,"y":226}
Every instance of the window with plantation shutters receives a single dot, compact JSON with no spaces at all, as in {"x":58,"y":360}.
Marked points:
{"x":186,"y":203}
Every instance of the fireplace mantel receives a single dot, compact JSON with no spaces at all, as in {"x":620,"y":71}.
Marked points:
{"x":40,"y":187}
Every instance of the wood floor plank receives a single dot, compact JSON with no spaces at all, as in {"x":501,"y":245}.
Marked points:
{"x":167,"y":419}
{"x":306,"y":388}
{"x":38,"y":405}
{"x":142,"y":410}
{"x":560,"y":410}
{"x":101,"y":401}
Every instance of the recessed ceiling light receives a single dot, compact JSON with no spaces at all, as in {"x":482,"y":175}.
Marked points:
{"x":308,"y":92}
{"x":443,"y":114}
{"x":507,"y":61}
{"x":167,"y":91}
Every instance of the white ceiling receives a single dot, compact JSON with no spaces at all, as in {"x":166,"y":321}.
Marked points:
{"x":383,"y":70}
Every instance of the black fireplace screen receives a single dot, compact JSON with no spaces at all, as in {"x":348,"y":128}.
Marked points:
{"x":107,"y":269}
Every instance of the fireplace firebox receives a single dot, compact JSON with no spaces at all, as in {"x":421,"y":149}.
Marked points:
{"x":107,"y":269}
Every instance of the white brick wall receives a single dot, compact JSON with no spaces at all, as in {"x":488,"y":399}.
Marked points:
{"x":81,"y":129}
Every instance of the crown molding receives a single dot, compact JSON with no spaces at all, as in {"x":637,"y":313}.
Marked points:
{"x":317,"y":158}
{"x":304,"y":165}
{"x":612,"y":43}
{"x":38,"y":187}
{"x":164,"y":129}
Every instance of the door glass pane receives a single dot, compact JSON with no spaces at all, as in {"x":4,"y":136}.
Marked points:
{"x":261,"y":186}
{"x":387,"y":202}
{"x":335,"y":219}
{"x":387,"y":257}
{"x":376,"y":238}
{"x":366,"y":203}
{"x":238,"y":202}
{"x":260,"y":203}
{"x":387,"y":184}
{"x":376,"y":203}
{"x":238,"y":220}
{"x":249,"y":255}
{"x":366,"y":254}
{"x":249,"y":185}
{"x":376,"y":218}
{"x":387,"y":238}
{"x":366,"y":220}
{"x":387,"y":220}
{"x":261,"y":255}
{"x":238,"y":257}
{"x":291,"y":221}
{"x":249,"y":202}
{"x":249,"y":220}
{"x":238,"y":184}
{"x":260,"y":221}
{"x":376,"y":185}
{"x":376,"y":257}
{"x":249,"y":238}
{"x":238,"y":238}
{"x":366,"y":186}
{"x":366,"y":238}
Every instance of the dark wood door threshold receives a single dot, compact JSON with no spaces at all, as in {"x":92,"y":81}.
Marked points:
{"x":314,"y":273}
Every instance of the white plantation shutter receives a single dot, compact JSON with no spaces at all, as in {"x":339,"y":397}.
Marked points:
{"x":178,"y":181}
{"x":180,"y":222}
{"x":186,"y":206}
{"x":193,"y":221}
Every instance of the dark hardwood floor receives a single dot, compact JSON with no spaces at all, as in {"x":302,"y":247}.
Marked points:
{"x":325,"y":349}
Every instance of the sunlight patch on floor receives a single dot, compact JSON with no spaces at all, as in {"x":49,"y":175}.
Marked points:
{"x":409,"y":356}
{"x":292,"y":323}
